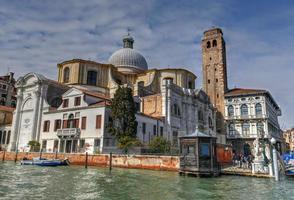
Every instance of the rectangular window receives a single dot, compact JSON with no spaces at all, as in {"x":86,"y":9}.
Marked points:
{"x":44,"y":145}
{"x":57,"y":124}
{"x":98,"y":121}
{"x":77,"y":101}
{"x":84,"y":122}
{"x":46,"y":126}
{"x":154,"y":130}
{"x":97,"y":143}
{"x":65,"y":103}
{"x":82,"y":143}
{"x":161,"y":131}
{"x":55,"y":146}
{"x":144,"y":127}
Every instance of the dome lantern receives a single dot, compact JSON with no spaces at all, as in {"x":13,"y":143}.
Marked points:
{"x":128,"y":41}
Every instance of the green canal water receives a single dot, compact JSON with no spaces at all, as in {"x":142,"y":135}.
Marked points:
{"x":76,"y":182}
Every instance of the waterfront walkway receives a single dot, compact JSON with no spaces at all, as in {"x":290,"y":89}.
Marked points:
{"x":234,"y":170}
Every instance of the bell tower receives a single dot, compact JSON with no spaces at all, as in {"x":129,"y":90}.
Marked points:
{"x":214,"y":69}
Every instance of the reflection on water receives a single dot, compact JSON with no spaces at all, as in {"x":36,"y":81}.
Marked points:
{"x":75,"y":182}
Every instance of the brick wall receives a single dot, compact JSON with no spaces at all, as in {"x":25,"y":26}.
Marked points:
{"x":170,"y":163}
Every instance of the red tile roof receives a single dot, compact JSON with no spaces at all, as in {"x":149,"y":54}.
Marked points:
{"x":6,"y":109}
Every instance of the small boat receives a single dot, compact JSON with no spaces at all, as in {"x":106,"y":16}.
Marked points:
{"x":44,"y":162}
{"x":289,"y":164}
{"x":289,"y":171}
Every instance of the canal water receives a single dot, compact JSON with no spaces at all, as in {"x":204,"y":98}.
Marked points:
{"x":76,"y":182}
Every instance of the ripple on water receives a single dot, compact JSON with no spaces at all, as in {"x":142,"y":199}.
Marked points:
{"x":74,"y":182}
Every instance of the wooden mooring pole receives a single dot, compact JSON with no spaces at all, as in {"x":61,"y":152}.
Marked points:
{"x":86,"y":162}
{"x":15,"y":159}
{"x":41,"y":153}
{"x":3,"y":158}
{"x":110,"y":161}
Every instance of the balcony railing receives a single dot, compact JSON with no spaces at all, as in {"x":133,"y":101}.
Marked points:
{"x":68,"y":132}
{"x":231,"y":136}
{"x":245,"y":117}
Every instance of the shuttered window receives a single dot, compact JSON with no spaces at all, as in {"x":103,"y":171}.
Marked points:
{"x":84,"y":122}
{"x":77,"y":101}
{"x":65,"y":103}
{"x":46,"y":126}
{"x":64,"y":125}
{"x":98,"y":121}
{"x":57,"y":124}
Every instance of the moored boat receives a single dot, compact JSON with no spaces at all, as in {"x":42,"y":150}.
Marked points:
{"x":44,"y":162}
{"x":289,"y":164}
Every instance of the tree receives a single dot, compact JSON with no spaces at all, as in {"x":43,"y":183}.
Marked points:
{"x":159,"y":145}
{"x":34,"y":146}
{"x":123,"y":125}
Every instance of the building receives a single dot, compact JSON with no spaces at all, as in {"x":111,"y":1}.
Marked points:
{"x":71,"y":114}
{"x":251,"y":113}
{"x":289,"y":139}
{"x":7,"y":90}
{"x":6,"y":114}
{"x":242,"y":114}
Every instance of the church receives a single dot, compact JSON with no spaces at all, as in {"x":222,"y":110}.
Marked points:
{"x":72,"y":114}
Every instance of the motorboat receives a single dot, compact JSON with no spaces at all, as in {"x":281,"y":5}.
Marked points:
{"x":289,"y":163}
{"x":45,"y":162}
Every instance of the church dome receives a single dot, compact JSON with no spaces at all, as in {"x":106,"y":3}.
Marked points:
{"x":127,"y":57}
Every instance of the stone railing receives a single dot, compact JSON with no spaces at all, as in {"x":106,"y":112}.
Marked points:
{"x":233,"y":117}
{"x":68,"y":132}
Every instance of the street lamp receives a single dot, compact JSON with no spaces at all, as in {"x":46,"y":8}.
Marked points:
{"x":275,"y":159}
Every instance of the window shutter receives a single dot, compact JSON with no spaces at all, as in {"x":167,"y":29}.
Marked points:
{"x":77,"y":121}
{"x":98,"y":121}
{"x":84,"y":120}
{"x":64,"y":124}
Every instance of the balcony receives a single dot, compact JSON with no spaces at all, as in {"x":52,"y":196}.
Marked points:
{"x":69,"y":133}
{"x":246,"y":117}
{"x":237,"y":135}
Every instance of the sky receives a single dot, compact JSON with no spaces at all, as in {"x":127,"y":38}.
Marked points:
{"x":35,"y":35}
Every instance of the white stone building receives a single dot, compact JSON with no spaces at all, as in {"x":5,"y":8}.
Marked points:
{"x":250,"y":113}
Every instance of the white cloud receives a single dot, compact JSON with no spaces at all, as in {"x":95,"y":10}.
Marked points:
{"x":36,"y":35}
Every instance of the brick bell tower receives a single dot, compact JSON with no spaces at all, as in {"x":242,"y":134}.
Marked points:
{"x":214,"y":69}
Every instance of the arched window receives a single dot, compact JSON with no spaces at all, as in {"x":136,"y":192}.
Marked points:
{"x":245,"y":128}
{"x":230,"y":110}
{"x":210,"y":123}
{"x":208,"y":45}
{"x":91,"y":78}
{"x":66,"y":73}
{"x":231,"y":129}
{"x":244,"y":110}
{"x":71,"y":121}
{"x":258,"y":109}
{"x":200,"y":115}
{"x":176,"y":110}
{"x":260,"y":128}
{"x":214,"y":43}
